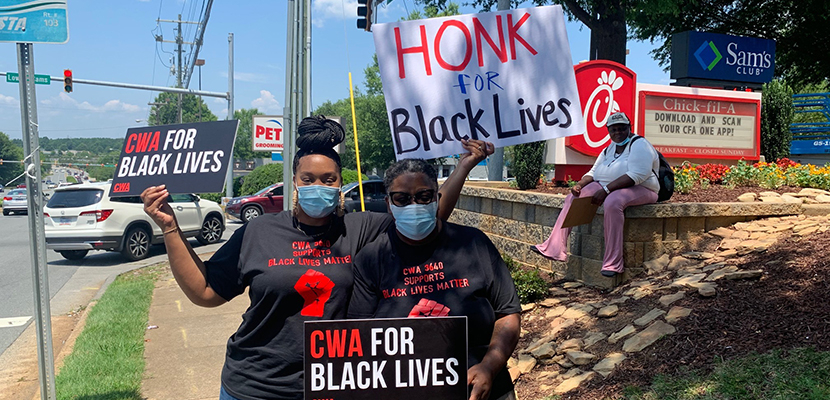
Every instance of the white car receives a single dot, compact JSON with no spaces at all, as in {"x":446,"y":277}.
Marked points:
{"x":83,"y":217}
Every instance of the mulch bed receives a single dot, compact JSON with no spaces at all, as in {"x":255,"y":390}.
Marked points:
{"x":712,"y":194}
{"x":787,"y":308}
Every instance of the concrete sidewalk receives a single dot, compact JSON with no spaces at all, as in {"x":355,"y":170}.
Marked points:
{"x":185,"y":354}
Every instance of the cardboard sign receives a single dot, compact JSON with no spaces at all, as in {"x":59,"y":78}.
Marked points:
{"x":582,"y":211}
{"x":188,"y":158}
{"x":267,"y":133}
{"x":505,"y":77}
{"x":401,"y":358}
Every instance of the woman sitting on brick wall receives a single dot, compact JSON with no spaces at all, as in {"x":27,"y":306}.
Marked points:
{"x":623,"y":175}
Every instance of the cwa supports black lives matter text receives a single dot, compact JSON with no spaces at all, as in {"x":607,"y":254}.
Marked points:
{"x":427,"y":130}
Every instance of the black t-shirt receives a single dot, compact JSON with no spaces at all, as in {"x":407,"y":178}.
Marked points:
{"x":292,"y":278}
{"x":461,"y":270}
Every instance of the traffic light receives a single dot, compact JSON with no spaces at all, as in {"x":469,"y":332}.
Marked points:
{"x":364,"y":14}
{"x":67,"y":80}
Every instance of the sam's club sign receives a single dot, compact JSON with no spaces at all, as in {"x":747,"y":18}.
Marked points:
{"x":714,"y":56}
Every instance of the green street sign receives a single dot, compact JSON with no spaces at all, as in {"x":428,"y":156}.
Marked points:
{"x":12,"y":77}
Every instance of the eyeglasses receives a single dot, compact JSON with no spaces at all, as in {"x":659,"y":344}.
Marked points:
{"x":403,"y":199}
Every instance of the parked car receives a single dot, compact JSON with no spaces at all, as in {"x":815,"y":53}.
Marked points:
{"x":265,"y":201}
{"x":15,"y":201}
{"x":83,"y":217}
{"x":374,"y":196}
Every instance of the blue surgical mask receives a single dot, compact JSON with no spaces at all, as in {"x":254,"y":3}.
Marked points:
{"x":415,"y":221}
{"x":625,"y":142}
{"x":318,"y":201}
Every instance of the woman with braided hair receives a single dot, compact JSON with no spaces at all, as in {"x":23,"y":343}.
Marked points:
{"x":296,"y":265}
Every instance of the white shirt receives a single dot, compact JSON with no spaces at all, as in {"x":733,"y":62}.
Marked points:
{"x":639,"y":161}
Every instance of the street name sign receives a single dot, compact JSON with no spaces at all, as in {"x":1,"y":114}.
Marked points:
{"x":33,"y":21}
{"x":14,"y":77}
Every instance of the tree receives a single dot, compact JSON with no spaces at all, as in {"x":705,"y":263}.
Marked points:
{"x":799,"y":27}
{"x":528,"y":163}
{"x":194,"y":109}
{"x":9,"y":152}
{"x":243,"y":146}
{"x":776,"y":116}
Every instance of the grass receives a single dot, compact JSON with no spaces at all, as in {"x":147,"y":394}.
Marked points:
{"x":71,"y":179}
{"x":791,"y":375}
{"x":107,"y":361}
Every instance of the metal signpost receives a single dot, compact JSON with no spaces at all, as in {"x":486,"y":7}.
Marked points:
{"x":35,"y":22}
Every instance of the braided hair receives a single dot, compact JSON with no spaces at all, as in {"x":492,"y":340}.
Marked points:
{"x":319,"y":135}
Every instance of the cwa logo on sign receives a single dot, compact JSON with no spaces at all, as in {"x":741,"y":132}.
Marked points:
{"x":267,"y":133}
{"x":605,"y":87}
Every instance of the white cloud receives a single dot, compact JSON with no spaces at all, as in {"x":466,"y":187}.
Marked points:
{"x":266,"y":102}
{"x":324,"y":9}
{"x":8,"y":100}
{"x":63,"y":99}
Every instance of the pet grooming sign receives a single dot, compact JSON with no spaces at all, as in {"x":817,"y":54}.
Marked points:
{"x":504,"y":77}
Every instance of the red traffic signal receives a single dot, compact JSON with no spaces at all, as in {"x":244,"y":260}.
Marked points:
{"x":67,"y":80}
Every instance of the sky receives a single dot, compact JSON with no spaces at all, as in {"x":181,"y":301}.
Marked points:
{"x":116,"y":44}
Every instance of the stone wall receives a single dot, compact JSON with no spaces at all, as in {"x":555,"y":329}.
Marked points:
{"x":515,"y":219}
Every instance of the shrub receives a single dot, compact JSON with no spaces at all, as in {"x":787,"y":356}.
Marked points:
{"x":530,"y":285}
{"x":685,"y":177}
{"x":260,"y":178}
{"x":776,"y":116}
{"x":770,"y":176}
{"x":350,"y":175}
{"x":528,"y":164}
{"x":712,"y":172}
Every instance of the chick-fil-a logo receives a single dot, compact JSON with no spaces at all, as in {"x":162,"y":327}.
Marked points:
{"x":604,"y":87}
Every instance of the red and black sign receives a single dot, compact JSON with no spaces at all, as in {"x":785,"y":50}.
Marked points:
{"x":188,"y":158}
{"x":401,"y":358}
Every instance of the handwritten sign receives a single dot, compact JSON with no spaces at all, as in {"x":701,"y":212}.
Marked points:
{"x":188,"y":158}
{"x":504,"y":77}
{"x":400,"y":358}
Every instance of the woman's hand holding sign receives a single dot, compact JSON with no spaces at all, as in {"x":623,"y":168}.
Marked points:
{"x":157,"y":207}
{"x":476,"y":151}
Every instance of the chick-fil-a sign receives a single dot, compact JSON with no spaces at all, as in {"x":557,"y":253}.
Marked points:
{"x":504,"y":77}
{"x":605,"y":87}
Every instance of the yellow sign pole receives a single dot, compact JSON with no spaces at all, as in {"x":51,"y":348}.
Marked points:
{"x":356,"y":147}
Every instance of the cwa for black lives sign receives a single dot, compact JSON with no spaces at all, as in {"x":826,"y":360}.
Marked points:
{"x":187,"y":158}
{"x":505,"y":77}
{"x":398,"y":358}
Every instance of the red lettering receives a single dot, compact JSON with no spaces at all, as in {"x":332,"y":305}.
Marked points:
{"x":354,"y":344}
{"x":468,"y":46}
{"x":336,"y":343}
{"x":143,"y":142}
{"x":513,"y":34}
{"x":260,"y":130}
{"x":316,"y":351}
{"x":130,"y":147}
{"x":423,"y":48}
{"x":501,"y":50}
{"x":154,"y":145}
{"x":121,"y":187}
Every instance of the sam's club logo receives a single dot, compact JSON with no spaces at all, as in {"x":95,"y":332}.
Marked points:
{"x":708,"y":55}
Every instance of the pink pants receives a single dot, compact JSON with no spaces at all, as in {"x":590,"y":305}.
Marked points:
{"x":614,"y":220}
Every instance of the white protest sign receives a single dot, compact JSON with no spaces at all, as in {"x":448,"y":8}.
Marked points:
{"x":504,"y":77}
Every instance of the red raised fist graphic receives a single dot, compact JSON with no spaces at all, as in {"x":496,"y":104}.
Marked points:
{"x":429,"y":308}
{"x":315,"y":287}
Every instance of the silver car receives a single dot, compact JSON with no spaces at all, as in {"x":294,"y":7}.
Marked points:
{"x":15,"y":201}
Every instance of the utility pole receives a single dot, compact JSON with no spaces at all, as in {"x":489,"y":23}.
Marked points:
{"x":179,"y":42}
{"x":495,"y":163}
{"x":229,"y":177}
{"x":158,"y":110}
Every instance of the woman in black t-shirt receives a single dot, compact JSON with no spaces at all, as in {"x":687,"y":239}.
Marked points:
{"x":295,"y":264}
{"x":428,"y":267}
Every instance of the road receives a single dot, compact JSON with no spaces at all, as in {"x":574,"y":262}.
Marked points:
{"x":67,"y":277}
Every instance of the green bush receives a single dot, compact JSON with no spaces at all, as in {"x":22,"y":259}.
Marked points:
{"x":217,"y":197}
{"x":261,"y":177}
{"x":529,"y":282}
{"x":350,"y":175}
{"x":742,"y":174}
{"x":777,"y":114}
{"x":528,"y":164}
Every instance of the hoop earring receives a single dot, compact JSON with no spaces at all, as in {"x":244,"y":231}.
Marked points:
{"x":341,"y":210}
{"x":295,"y":202}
